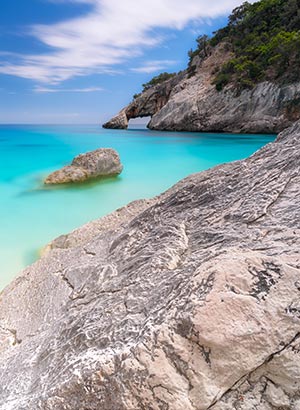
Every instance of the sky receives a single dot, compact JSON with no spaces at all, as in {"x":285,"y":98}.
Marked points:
{"x":81,"y":61}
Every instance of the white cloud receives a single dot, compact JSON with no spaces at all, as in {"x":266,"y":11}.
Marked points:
{"x":152,"y":66}
{"x":41,"y":90}
{"x":112,"y":32}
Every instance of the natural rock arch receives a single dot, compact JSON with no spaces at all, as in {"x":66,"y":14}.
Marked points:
{"x":146,"y":104}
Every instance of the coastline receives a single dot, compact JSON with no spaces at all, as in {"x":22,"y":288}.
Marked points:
{"x":33,"y":215}
{"x":162,"y":274}
{"x":173,"y":279}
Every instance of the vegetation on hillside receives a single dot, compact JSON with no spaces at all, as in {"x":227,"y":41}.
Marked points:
{"x":264,"y":38}
{"x":155,"y":81}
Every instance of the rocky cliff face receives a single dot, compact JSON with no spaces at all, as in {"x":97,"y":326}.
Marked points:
{"x":194,"y":104}
{"x":147,"y":104}
{"x":189,"y":301}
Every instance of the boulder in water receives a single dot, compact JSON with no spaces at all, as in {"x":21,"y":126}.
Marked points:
{"x":99,"y":163}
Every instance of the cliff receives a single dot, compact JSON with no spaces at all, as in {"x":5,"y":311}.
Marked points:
{"x":245,"y":78}
{"x":194,"y":104}
{"x":188,"y":301}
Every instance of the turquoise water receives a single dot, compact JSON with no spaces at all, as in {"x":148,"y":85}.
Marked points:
{"x":31,"y":215}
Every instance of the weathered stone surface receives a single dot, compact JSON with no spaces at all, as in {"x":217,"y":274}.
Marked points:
{"x":194,"y":104}
{"x":265,"y":109}
{"x":120,"y":121}
{"x":67,"y":174}
{"x":98,"y":163}
{"x":87,"y":232}
{"x":147,"y":104}
{"x":193,"y":303}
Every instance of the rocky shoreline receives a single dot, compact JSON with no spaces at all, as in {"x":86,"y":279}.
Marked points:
{"x":188,"y":301}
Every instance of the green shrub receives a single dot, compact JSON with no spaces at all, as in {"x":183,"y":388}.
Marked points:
{"x":221,"y":80}
{"x":265,"y":39}
{"x":158,"y":80}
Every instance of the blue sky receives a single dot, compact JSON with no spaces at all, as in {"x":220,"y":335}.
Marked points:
{"x":80,"y":61}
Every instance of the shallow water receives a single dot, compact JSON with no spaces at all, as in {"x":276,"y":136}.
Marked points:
{"x":31,"y":215}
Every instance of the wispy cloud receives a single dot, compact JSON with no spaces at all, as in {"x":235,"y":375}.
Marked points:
{"x":39,"y":89}
{"x":152,"y":66}
{"x":112,"y":32}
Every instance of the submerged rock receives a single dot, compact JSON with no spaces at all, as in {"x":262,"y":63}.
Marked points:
{"x":190,"y":303}
{"x":98,"y":163}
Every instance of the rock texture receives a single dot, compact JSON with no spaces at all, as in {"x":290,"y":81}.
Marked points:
{"x":147,"y":104}
{"x":194,"y":104}
{"x":94,"y":164}
{"x":191,"y":303}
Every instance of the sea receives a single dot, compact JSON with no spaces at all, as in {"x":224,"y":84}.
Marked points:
{"x":32,"y":214}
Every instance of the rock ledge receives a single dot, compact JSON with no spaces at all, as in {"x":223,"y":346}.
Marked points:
{"x":188,"y":302}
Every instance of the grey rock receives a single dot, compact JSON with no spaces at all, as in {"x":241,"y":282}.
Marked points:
{"x":98,"y":163}
{"x":67,"y":174}
{"x":190,"y":303}
{"x":87,"y":232}
{"x":194,"y":104}
{"x":267,"y":108}
{"x":147,"y":104}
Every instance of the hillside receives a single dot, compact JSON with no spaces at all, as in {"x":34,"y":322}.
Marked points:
{"x":265,"y":42}
{"x":244,"y":79}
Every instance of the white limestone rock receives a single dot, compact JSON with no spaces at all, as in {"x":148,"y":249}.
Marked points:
{"x":190,"y":304}
{"x":99,"y":163}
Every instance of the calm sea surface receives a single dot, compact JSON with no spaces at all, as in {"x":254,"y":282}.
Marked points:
{"x":31,"y":215}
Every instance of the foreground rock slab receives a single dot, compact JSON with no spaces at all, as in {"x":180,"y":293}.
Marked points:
{"x":99,"y":163}
{"x":190,"y":302}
